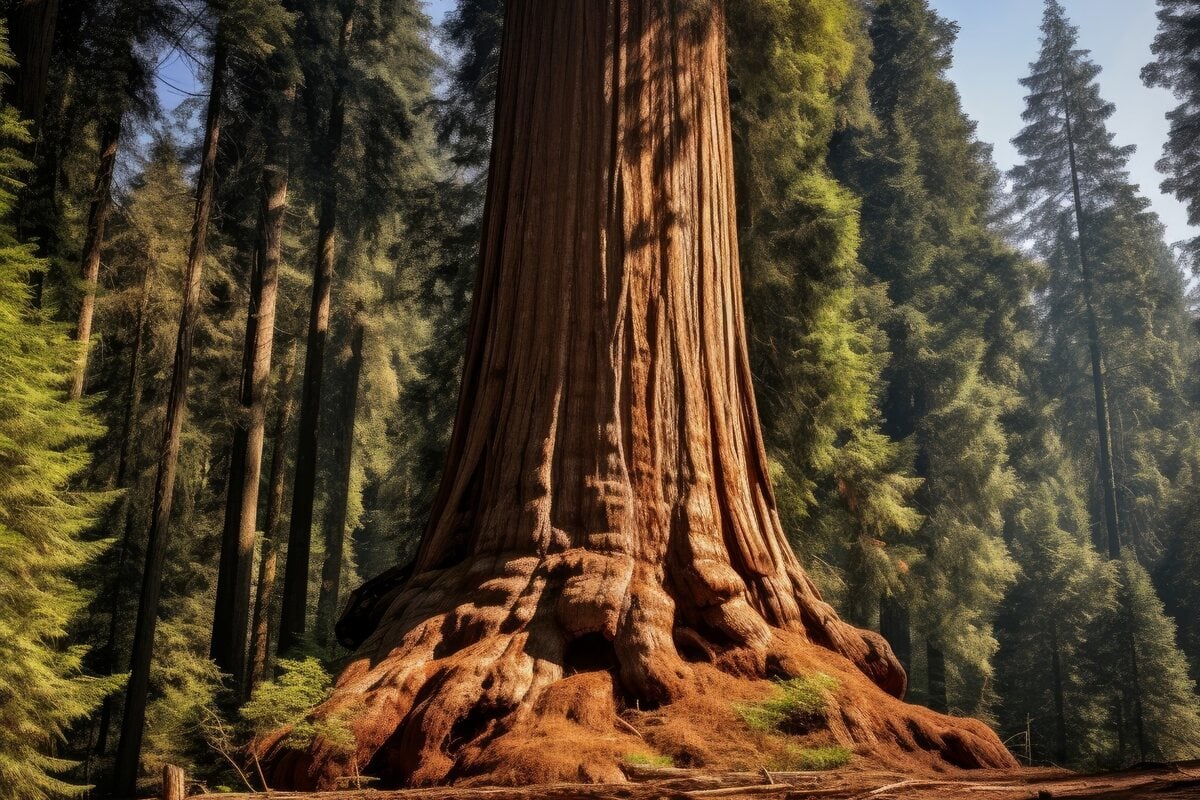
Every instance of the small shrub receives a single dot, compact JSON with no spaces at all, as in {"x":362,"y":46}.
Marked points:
{"x":287,"y":701}
{"x":808,"y":759}
{"x":796,"y":706}
{"x":647,"y":760}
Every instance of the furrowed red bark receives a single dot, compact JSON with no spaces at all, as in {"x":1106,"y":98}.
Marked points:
{"x":335,"y":529}
{"x":137,"y":691}
{"x":605,"y":533}
{"x":260,"y":639}
{"x":295,"y":575}
{"x":101,"y":206}
{"x":231,"y":618}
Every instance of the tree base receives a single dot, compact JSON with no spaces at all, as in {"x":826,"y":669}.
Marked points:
{"x":488,"y":687}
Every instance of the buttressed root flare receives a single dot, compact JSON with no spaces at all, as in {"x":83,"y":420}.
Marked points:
{"x":605,"y":537}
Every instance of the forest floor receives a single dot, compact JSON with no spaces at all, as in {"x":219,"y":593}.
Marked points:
{"x":1150,"y":782}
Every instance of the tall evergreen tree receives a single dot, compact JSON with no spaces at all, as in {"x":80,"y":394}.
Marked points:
{"x":816,"y":351}
{"x":1074,"y":190}
{"x":927,"y":188}
{"x":373,"y":183}
{"x":1114,"y":311}
{"x":1177,"y":67}
{"x":231,"y":613}
{"x":232,"y":22}
{"x":43,"y":450}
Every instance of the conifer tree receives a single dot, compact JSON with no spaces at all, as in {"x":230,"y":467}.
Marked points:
{"x":1072,"y":168}
{"x":42,"y":517}
{"x":1063,"y":587}
{"x":232,"y":608}
{"x":126,"y":41}
{"x":1113,"y":310}
{"x":816,"y":352}
{"x":373,"y":174}
{"x":240,"y":30}
{"x":1177,"y":67}
{"x":927,"y":187}
{"x":1138,"y":666}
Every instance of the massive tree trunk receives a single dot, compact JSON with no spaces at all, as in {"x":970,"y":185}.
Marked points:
{"x":110,"y":135}
{"x":343,"y":459}
{"x":605,"y":534}
{"x":231,"y":617}
{"x":295,"y":574}
{"x":137,"y":690}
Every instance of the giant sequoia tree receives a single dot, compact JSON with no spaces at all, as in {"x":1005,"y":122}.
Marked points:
{"x":605,"y":508}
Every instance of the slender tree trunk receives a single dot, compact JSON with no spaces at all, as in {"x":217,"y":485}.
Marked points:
{"x":1108,"y":478}
{"x":31,"y":26}
{"x":295,"y":576}
{"x":605,"y":525}
{"x":132,"y":406}
{"x":110,"y":134}
{"x":1060,"y":712}
{"x":260,"y":641}
{"x":895,"y":627}
{"x":133,"y":722}
{"x":935,"y":667}
{"x":231,"y":618}
{"x":335,"y":530}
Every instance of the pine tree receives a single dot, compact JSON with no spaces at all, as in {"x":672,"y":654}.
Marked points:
{"x":816,"y":353}
{"x":927,"y":189}
{"x":1114,"y":311}
{"x":232,"y":608}
{"x":241,"y":30}
{"x":43,"y":518}
{"x":1138,"y":666}
{"x":374,"y":179}
{"x":126,"y":41}
{"x":1177,"y":67}
{"x":1063,"y":587}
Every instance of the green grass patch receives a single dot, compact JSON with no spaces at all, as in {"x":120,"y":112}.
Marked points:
{"x":648,"y":760}
{"x":796,"y":705}
{"x":809,"y":759}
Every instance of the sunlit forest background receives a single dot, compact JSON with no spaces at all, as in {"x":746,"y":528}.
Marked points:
{"x":231,"y":335}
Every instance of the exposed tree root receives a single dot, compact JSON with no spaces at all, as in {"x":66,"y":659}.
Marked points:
{"x":525,"y":679}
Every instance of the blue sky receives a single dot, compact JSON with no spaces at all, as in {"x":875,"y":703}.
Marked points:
{"x":997,"y":40}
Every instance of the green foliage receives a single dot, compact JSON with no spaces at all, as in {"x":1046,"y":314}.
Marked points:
{"x":1046,"y":622}
{"x":1137,"y":663}
{"x":952,"y":285}
{"x":43,"y":450}
{"x":1177,"y":67}
{"x":810,"y":759}
{"x":816,"y":351}
{"x":184,"y":721}
{"x":1177,"y":573}
{"x":285,"y":702}
{"x":795,"y":706}
{"x":649,"y":760}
